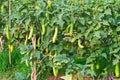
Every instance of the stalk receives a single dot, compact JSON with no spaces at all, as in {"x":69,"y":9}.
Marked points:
{"x":9,"y":13}
{"x":10,"y":61}
{"x":34,"y":74}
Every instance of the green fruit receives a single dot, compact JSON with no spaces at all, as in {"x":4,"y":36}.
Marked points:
{"x":73,"y":40}
{"x":71,"y":29}
{"x":31,"y":32}
{"x":117,"y":70}
{"x":7,"y":33}
{"x":97,"y":66}
{"x":26,"y":62}
{"x":26,"y":40}
{"x":79,"y":44}
{"x":43,"y":29}
{"x":92,"y":67}
{"x":38,"y":42}
{"x":49,"y":4}
{"x":55,"y":34}
{"x":2,"y":8}
{"x":55,"y":72}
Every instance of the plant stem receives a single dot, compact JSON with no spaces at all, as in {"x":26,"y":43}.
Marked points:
{"x":34,"y":74}
{"x":10,"y":61}
{"x":9,"y":14}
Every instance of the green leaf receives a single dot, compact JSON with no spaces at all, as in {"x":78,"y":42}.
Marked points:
{"x":61,"y":58}
{"x":105,"y":23}
{"x":50,"y":63}
{"x":115,"y":61}
{"x":82,"y":20}
{"x":104,"y":55}
{"x":115,"y":51}
{"x":24,"y":58}
{"x":24,"y":48}
{"x":90,"y":72}
{"x":27,"y":22}
{"x":60,"y":22}
{"x":117,"y":56}
{"x":56,"y":48}
{"x":118,"y":28}
{"x":19,"y":76}
{"x":108,"y":11}
{"x":88,"y":31}
{"x":97,"y":34}
{"x":90,"y":59}
{"x":38,"y":53}
{"x":67,"y":77}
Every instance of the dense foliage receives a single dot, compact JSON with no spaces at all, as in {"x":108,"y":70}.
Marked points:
{"x":64,"y":36}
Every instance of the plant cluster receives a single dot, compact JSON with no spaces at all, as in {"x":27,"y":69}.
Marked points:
{"x":64,"y":36}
